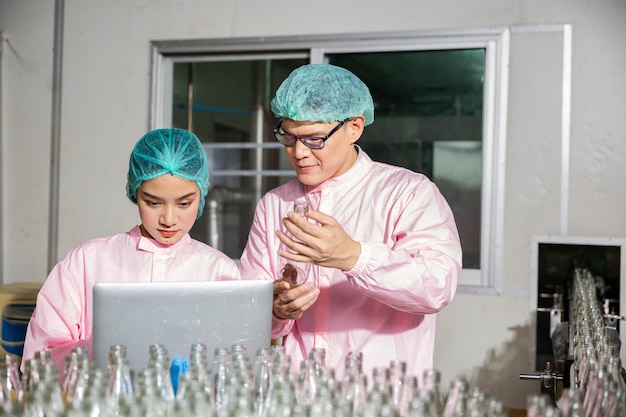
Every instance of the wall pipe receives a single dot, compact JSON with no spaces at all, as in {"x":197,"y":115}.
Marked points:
{"x":55,"y":136}
{"x":1,"y":169}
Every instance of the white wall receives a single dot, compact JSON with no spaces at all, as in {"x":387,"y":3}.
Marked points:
{"x":105,"y":110}
{"x":26,"y":122}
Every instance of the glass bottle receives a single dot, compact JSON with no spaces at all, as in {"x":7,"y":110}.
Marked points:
{"x":615,"y":369}
{"x":570,"y":403}
{"x":397,"y":373}
{"x":606,"y":399}
{"x":198,"y":356}
{"x":307,"y":383}
{"x":353,"y":364}
{"x":11,"y":391}
{"x":594,"y":389}
{"x":294,"y":272}
{"x":408,"y":391}
{"x":89,"y":380}
{"x":120,"y":389}
{"x":373,"y":404}
{"x":323,"y":406}
{"x":536,"y":405}
{"x":318,"y":355}
{"x":619,"y":408}
{"x":33,"y":370}
{"x":76,"y":363}
{"x":477,"y":402}
{"x":262,"y":377}
{"x":241,"y":369}
{"x":26,"y":378}
{"x":163,"y":385}
{"x":456,"y":403}
{"x":280,"y":405}
{"x":43,"y":401}
{"x":148,"y":393}
{"x":243,"y":405}
{"x":46,"y":398}
{"x":431,"y":381}
{"x":354,"y":391}
{"x":423,"y":405}
{"x":198,"y":402}
{"x":199,"y":369}
{"x":221,"y":371}
{"x":381,"y":381}
{"x":280,"y":360}
{"x":497,"y":408}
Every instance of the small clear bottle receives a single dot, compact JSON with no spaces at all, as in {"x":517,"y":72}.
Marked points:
{"x":409,"y":389}
{"x":307,"y":383}
{"x":220,"y":373}
{"x":119,"y":389}
{"x":536,"y":405}
{"x":262,"y":377}
{"x":318,"y":356}
{"x":353,"y":364}
{"x":294,"y":272}
{"x":76,"y":364}
{"x":431,"y":381}
{"x":11,"y":384}
{"x":457,"y":401}
{"x":422,"y":405}
{"x":397,"y":372}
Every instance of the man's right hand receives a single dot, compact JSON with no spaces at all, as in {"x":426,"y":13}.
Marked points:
{"x":290,"y":302}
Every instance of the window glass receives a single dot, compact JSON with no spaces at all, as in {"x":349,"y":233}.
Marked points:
{"x":226,"y":104}
{"x":428,"y":118}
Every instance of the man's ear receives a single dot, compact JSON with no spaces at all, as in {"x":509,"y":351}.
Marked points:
{"x":355,"y":128}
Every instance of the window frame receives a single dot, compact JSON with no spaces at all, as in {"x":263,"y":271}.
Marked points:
{"x":495,"y":41}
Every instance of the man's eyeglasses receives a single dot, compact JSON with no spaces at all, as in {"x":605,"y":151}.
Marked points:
{"x":310,"y":142}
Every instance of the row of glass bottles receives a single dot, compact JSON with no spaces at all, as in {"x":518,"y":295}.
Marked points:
{"x":597,"y":388}
{"x":233,"y":386}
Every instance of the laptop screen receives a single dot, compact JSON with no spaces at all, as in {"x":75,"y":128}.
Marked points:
{"x":218,"y":314}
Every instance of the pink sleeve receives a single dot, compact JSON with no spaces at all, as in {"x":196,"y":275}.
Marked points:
{"x":418,"y":272}
{"x":57,"y":319}
{"x":259,"y":259}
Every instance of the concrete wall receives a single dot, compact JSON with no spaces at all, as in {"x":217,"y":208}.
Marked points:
{"x":105,"y":109}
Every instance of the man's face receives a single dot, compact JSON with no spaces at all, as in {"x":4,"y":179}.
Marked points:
{"x":314,"y":166}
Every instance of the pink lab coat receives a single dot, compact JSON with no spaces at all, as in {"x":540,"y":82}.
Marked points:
{"x":407,"y":271}
{"x":63,"y":315}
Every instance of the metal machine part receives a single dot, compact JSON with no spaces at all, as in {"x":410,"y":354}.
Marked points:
{"x":562,"y":334}
{"x":548,"y":379}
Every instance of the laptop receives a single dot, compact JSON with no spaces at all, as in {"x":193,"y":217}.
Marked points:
{"x":178,"y":314}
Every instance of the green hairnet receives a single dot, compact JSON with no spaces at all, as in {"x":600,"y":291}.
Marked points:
{"x":168,"y":151}
{"x":323,"y":93}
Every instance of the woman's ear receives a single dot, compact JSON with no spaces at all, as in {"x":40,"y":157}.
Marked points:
{"x":355,"y":128}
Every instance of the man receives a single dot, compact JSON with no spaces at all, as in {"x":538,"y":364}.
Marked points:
{"x":382,"y":240}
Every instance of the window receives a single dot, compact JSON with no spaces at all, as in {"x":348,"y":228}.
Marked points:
{"x":439,"y":101}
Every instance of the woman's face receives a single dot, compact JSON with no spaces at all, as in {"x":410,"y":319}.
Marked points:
{"x":168,"y":206}
{"x":314,"y":166}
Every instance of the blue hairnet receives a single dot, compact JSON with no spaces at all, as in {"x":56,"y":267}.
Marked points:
{"x":168,"y":151}
{"x":323,"y":93}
